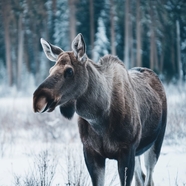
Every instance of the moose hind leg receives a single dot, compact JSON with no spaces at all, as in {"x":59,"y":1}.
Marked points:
{"x":150,"y":162}
{"x":96,"y":166}
{"x":139,"y":175}
{"x":151,"y":155}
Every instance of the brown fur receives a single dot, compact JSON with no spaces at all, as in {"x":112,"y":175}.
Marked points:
{"x":121,"y":113}
{"x":135,"y":99}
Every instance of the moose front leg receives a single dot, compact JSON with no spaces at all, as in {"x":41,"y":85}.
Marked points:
{"x":126,"y":162}
{"x":96,"y":166}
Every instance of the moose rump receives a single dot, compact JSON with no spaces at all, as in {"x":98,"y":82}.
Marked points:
{"x":122,"y":114}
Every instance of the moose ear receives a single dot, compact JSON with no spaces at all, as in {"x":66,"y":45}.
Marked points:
{"x":52,"y":52}
{"x":78,"y":47}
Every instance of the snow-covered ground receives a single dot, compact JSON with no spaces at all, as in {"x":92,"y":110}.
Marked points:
{"x":26,"y":159}
{"x":46,"y":147}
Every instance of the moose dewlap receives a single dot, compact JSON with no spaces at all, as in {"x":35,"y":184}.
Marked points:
{"x":122,"y":114}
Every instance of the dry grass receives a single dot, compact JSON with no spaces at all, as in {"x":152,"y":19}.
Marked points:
{"x":41,"y":173}
{"x":176,"y":120}
{"x":70,"y":164}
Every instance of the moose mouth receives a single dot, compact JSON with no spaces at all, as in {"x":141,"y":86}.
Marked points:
{"x":43,"y":105}
{"x":44,"y":101}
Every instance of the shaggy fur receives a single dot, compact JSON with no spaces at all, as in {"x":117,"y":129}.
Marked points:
{"x":122,"y":114}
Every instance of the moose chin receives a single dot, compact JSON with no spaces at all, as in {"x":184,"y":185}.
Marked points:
{"x":122,"y":113}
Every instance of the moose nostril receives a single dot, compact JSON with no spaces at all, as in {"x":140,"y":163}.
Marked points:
{"x":40,"y":104}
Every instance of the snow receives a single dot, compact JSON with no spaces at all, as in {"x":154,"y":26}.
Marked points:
{"x":170,"y":169}
{"x":26,"y":139}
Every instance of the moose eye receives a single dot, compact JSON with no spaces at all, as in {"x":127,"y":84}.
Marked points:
{"x":68,"y":73}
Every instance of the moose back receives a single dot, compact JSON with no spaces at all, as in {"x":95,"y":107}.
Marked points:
{"x":122,"y":114}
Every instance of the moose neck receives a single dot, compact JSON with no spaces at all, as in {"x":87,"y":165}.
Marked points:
{"x":93,"y":105}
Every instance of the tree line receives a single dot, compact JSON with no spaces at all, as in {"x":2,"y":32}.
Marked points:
{"x":141,"y":33}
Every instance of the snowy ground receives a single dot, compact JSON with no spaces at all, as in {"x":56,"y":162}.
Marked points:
{"x":24,"y":162}
{"x":45,"y":148}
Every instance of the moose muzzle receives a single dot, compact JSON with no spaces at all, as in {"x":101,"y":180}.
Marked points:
{"x":44,"y":99}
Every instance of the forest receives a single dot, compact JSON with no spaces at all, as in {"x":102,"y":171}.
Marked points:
{"x":141,"y":33}
{"x":45,"y":149}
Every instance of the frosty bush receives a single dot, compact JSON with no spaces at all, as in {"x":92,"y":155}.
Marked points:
{"x":41,"y":174}
{"x":74,"y":170}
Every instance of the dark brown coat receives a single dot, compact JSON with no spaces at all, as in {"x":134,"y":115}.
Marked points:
{"x":121,"y":113}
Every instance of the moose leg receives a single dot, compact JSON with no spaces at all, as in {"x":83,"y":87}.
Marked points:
{"x":139,"y":175}
{"x":150,"y":162}
{"x":126,"y":162}
{"x":152,"y":155}
{"x":96,"y":166}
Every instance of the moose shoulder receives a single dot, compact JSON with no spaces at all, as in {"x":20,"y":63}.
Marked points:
{"x":122,"y":114}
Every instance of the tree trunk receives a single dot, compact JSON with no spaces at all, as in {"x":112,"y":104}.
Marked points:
{"x":138,"y":33}
{"x":155,"y":54}
{"x":20,"y":51}
{"x":91,"y":8}
{"x":26,"y":54}
{"x":6,"y":9}
{"x":178,"y":49}
{"x":153,"y":47}
{"x":112,"y":28}
{"x":173,"y":58}
{"x":72,"y":19}
{"x":162,"y":57}
{"x":131,"y":39}
{"x":126,"y":23}
{"x":52,"y":30}
{"x":131,"y":52}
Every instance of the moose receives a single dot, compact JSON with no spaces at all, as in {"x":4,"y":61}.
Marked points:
{"x":122,"y":113}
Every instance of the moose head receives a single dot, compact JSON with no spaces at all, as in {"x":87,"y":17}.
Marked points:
{"x":67,"y":80}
